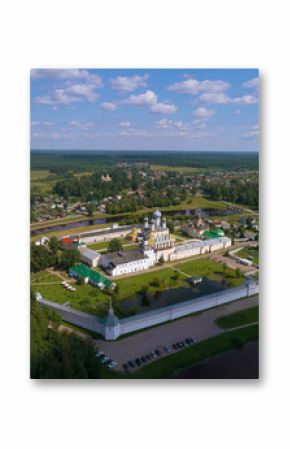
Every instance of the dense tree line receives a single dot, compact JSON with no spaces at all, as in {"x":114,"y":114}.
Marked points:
{"x":92,"y":187}
{"x":42,"y":257}
{"x":58,"y":355}
{"x":236,"y":192}
{"x":62,"y":161}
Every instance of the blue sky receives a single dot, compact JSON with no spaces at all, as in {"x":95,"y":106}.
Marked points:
{"x":169,"y":109}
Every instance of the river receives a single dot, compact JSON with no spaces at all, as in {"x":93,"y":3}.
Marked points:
{"x":234,"y":364}
{"x":87,"y":222}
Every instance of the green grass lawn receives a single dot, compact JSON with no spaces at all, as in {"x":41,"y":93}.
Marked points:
{"x":181,"y":234}
{"x":104,"y":245}
{"x":211,"y":269}
{"x":249,"y":252}
{"x":86,"y":298}
{"x":129,"y":286}
{"x":43,"y":276}
{"x":167,"y":366}
{"x":247,"y":316}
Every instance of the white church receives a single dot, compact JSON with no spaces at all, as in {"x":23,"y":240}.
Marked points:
{"x":157,"y":244}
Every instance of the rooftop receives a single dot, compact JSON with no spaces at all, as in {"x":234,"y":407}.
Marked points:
{"x":103,"y":231}
{"x":121,"y":257}
{"x":89,"y":253}
{"x":86,"y":272}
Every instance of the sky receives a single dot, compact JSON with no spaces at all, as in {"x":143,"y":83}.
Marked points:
{"x":145,"y":109}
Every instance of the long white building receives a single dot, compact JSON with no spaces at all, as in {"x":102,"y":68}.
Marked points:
{"x":157,"y":244}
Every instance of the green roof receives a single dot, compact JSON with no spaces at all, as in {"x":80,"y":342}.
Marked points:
{"x":218,"y":231}
{"x":214,"y":234}
{"x":208,"y":235}
{"x":85,"y":272}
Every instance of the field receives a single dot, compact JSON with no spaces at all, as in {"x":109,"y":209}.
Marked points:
{"x":38,"y":175}
{"x":168,"y":168}
{"x":241,"y":318}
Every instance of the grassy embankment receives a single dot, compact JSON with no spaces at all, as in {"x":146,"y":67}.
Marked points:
{"x":240,"y":318}
{"x":249,"y":253}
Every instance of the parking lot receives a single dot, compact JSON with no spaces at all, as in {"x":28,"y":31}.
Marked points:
{"x":147,"y":346}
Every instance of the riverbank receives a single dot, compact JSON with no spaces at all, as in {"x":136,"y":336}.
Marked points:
{"x":233,"y":364}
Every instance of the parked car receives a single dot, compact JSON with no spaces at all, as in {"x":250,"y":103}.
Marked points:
{"x":112,"y":364}
{"x":167,"y":349}
{"x":100,"y":353}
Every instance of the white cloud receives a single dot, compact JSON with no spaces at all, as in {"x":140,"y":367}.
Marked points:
{"x":254,"y":131}
{"x":133,"y":133}
{"x":164,"y":123}
{"x":221,"y":98}
{"x":67,"y":74}
{"x":70,"y":94}
{"x":81,"y":125}
{"x":170,"y":124}
{"x":128,"y":83}
{"x":203,"y":113}
{"x":194,"y":87}
{"x":163,"y":108}
{"x":149,"y":98}
{"x":108,"y":106}
{"x":38,"y":123}
{"x":253,"y":83}
{"x":125,"y":124}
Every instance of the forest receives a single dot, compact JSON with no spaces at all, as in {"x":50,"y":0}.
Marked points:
{"x":61,"y":162}
{"x":55,"y":354}
{"x":236,"y":192}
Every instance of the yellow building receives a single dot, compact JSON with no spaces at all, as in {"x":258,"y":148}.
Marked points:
{"x":156,"y":234}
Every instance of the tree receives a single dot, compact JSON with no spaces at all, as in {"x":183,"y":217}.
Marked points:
{"x":53,"y":244}
{"x":39,"y":258}
{"x":238,"y":273}
{"x":58,"y":355}
{"x":115,"y":245}
{"x":91,"y":210}
{"x":69,"y":257}
{"x":170,"y":226}
{"x":224,"y":268}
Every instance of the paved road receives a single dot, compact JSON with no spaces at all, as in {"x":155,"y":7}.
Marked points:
{"x":200,"y":326}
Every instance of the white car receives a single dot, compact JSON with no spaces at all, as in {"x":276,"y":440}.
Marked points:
{"x":113,"y":364}
{"x":100,"y":353}
{"x":104,"y":359}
